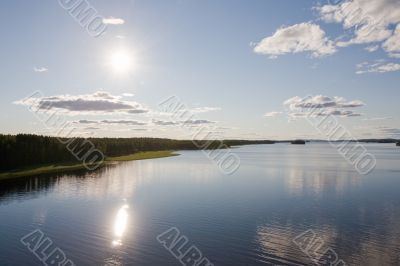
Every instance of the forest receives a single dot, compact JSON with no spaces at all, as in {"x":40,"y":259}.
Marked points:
{"x":25,"y":150}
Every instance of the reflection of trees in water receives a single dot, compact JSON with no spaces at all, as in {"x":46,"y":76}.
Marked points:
{"x":27,"y":188}
{"x":110,"y":180}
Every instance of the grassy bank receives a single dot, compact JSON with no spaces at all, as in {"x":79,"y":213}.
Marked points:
{"x":142,"y":156}
{"x":62,"y":168}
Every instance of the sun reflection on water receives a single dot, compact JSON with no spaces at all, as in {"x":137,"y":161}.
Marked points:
{"x":120,"y":223}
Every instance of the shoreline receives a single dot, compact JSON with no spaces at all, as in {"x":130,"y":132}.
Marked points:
{"x":70,"y":167}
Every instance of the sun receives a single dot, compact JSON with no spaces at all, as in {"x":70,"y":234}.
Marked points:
{"x":121,"y":61}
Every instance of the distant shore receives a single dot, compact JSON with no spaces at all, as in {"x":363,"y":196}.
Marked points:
{"x":29,"y":154}
{"x":64,"y":167}
{"x":25,"y":155}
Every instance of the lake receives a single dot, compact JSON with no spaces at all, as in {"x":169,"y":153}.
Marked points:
{"x":283,"y":206}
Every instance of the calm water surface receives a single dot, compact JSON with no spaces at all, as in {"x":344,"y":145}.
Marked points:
{"x":113,"y":216}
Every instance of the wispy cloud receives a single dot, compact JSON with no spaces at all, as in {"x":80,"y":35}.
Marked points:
{"x":112,"y":122}
{"x":272,"y":114}
{"x":205,"y":109}
{"x":342,"y":113}
{"x":165,"y":123}
{"x":187,"y":122}
{"x":389,"y":131}
{"x":113,"y":21}
{"x":40,"y":69}
{"x":372,"y":48}
{"x":377,"y":67}
{"x":377,"y":118}
{"x":198,"y":122}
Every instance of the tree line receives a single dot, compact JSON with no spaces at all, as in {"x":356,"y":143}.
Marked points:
{"x":25,"y":150}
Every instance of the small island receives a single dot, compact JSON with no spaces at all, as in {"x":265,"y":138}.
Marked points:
{"x":298,"y":142}
{"x":398,"y":144}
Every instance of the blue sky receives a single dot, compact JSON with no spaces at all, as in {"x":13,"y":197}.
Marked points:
{"x":233,"y":64}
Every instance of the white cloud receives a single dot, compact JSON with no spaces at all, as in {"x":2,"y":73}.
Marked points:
{"x":113,"y":21}
{"x":40,"y":69}
{"x":370,"y":21}
{"x":100,"y":102}
{"x":128,"y":94}
{"x":320,"y":105}
{"x":205,"y":109}
{"x":365,"y":22}
{"x":377,"y":67}
{"x":272,"y":114}
{"x":304,"y":37}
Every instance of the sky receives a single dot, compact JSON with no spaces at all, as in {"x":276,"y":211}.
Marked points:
{"x":241,"y":69}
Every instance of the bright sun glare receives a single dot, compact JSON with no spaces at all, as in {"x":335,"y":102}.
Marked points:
{"x":121,"y":61}
{"x":120,"y":223}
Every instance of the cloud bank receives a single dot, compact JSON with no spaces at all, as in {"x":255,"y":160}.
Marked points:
{"x":373,"y":23}
{"x":320,"y":105}
{"x":100,"y":102}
